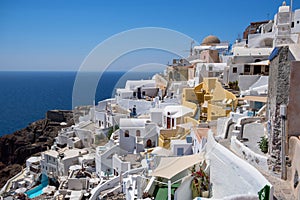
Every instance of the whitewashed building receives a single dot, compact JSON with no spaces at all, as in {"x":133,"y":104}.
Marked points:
{"x":137,"y":134}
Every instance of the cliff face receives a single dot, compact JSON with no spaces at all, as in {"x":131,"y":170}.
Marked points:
{"x":36,"y":137}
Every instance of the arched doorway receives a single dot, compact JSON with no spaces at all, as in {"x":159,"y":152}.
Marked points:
{"x":149,"y":143}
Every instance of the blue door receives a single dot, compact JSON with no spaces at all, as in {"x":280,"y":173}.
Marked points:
{"x":179,"y":151}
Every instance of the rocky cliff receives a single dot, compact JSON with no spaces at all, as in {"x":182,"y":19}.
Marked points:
{"x":36,"y":137}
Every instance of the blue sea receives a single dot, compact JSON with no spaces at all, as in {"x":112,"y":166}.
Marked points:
{"x":26,"y":96}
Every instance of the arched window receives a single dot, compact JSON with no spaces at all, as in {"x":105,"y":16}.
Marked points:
{"x":149,"y":143}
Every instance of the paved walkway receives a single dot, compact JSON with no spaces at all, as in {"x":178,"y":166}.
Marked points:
{"x":252,"y":136}
{"x":282,"y":188}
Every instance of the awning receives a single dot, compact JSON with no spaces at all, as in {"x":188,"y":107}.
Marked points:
{"x":255,"y":98}
{"x":264,"y":62}
{"x":171,"y":166}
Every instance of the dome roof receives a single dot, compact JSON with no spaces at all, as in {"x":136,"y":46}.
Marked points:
{"x":211,"y":39}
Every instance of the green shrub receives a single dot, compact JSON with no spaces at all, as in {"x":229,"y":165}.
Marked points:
{"x":111,"y":130}
{"x":263,"y":144}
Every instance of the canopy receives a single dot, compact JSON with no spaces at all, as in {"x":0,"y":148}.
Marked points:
{"x":256,"y":98}
{"x":171,"y":166}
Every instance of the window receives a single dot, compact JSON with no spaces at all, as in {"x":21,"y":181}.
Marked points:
{"x":247,"y":68}
{"x":296,"y":179}
{"x":234,"y":70}
{"x":126,"y":133}
{"x":180,"y":152}
{"x":297,"y":22}
{"x":292,"y":25}
{"x":267,"y":69}
{"x":138,"y":133}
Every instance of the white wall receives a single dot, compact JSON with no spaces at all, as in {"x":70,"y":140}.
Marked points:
{"x":127,"y":143}
{"x":244,"y":178}
{"x":119,"y":165}
{"x":235,"y":76}
{"x":104,"y":158}
{"x":184,"y":191}
{"x":296,"y":17}
{"x":65,"y":163}
{"x":251,"y":157}
{"x":100,"y":119}
{"x":77,"y":183}
{"x":85,"y":136}
{"x":222,"y":125}
{"x":197,"y":146}
{"x":157,"y":117}
{"x":187,"y":148}
{"x":245,"y":81}
{"x":142,"y":106}
{"x":112,"y":183}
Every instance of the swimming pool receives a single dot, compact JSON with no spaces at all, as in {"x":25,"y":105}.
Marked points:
{"x":38,"y":190}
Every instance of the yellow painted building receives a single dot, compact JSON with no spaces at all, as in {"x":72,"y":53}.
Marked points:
{"x":214,"y":100}
{"x":180,"y":131}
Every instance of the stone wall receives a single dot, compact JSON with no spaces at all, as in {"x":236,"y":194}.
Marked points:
{"x":57,"y":115}
{"x":279,"y":82}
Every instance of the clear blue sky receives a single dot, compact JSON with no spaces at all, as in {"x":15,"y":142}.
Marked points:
{"x":59,"y":34}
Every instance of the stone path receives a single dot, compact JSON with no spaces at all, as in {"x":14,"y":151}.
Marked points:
{"x":282,"y":188}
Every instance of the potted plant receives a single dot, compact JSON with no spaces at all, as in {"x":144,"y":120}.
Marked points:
{"x":200,"y":183}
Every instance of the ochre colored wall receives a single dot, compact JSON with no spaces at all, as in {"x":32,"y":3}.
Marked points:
{"x":211,"y":90}
{"x":189,"y":95}
{"x":294,"y":149}
{"x":293,"y":107}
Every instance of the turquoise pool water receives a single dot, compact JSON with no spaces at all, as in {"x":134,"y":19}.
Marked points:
{"x":38,"y":190}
